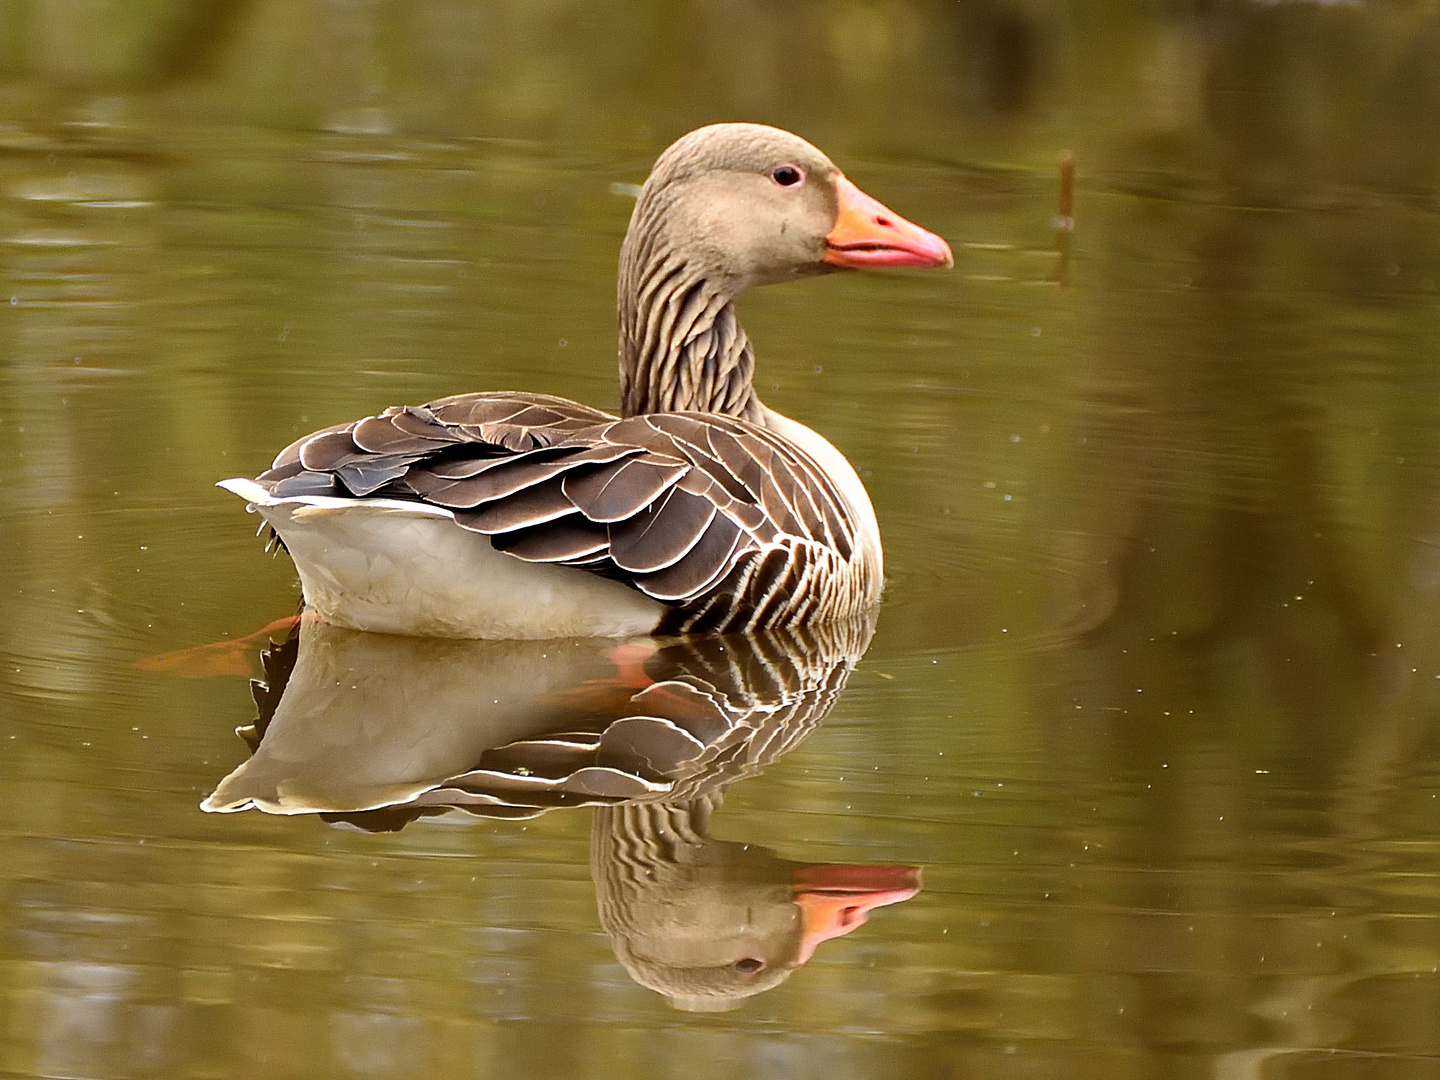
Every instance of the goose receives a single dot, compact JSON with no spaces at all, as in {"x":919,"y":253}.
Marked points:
{"x":698,"y":509}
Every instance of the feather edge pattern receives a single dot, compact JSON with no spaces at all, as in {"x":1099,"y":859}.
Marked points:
{"x":726,"y":522}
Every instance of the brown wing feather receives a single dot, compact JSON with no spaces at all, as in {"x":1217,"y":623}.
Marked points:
{"x":623,"y":490}
{"x":662,"y":534}
{"x":720,"y":518}
{"x":418,"y":420}
{"x":512,"y":476}
{"x":534,"y":506}
{"x":330,"y":450}
{"x":705,"y":563}
{"x":571,"y":540}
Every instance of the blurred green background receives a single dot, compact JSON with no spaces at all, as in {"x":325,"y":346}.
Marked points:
{"x":1154,"y":690}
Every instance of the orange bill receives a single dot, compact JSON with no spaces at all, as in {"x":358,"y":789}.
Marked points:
{"x":867,"y":234}
{"x":835,"y":899}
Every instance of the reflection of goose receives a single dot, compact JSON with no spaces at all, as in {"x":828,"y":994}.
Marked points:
{"x":709,"y":922}
{"x":376,"y":731}
{"x":355,"y":722}
{"x":700,"y":510}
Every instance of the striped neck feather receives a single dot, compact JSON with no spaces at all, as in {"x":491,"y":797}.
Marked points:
{"x":681,"y":346}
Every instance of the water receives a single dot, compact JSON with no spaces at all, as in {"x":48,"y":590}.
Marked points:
{"x":1152,"y":697}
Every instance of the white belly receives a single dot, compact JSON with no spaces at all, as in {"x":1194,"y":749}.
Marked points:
{"x":395,"y":567}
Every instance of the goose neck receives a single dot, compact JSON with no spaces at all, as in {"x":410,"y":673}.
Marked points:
{"x":681,"y":346}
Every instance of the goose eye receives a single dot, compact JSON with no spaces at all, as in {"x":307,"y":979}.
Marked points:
{"x":749,"y":965}
{"x":787,"y":175}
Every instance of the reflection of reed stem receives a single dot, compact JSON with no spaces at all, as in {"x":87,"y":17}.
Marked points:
{"x":1064,"y":223}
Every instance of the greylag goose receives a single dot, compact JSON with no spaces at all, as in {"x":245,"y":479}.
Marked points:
{"x":522,"y":515}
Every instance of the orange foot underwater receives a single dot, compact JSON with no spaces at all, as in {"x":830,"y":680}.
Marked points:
{"x":219,"y":658}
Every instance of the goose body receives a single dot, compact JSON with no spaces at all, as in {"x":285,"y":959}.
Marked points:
{"x":522,"y":515}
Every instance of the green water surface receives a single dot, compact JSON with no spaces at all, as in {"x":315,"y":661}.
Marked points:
{"x":1153,"y":697}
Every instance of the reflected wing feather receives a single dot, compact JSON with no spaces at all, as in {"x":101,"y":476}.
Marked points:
{"x":651,"y":746}
{"x":686,"y":706}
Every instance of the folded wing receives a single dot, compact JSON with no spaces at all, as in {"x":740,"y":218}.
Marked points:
{"x":723,"y":520}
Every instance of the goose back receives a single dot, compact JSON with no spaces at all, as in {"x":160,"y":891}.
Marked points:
{"x":723,"y":522}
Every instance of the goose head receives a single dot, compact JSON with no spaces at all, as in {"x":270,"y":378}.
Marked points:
{"x":753,"y":205}
{"x":727,"y":207}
